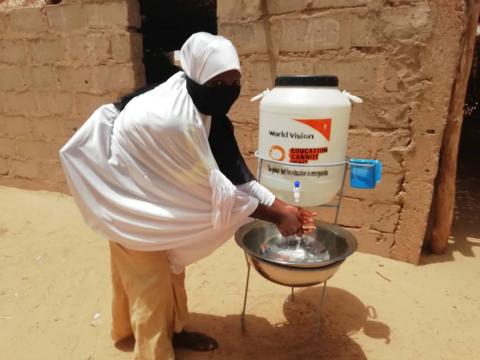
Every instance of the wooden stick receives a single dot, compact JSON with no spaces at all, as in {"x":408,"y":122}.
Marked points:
{"x":441,"y":215}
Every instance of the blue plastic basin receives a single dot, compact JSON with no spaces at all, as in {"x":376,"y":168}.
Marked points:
{"x":365,"y":173}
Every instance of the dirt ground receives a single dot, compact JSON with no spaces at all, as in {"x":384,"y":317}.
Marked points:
{"x":55,"y":297}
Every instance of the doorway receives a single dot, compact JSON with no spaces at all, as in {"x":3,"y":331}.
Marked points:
{"x":466,"y":222}
{"x":165,"y":27}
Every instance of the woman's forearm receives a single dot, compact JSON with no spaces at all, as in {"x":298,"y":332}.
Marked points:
{"x":268,"y":213}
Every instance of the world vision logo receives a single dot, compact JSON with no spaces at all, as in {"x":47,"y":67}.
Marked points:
{"x":277,"y":153}
{"x":323,"y":126}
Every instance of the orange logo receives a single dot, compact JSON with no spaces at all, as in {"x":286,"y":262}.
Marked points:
{"x":323,"y":126}
{"x":277,"y":153}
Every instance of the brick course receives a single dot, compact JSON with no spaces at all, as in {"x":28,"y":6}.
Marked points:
{"x":57,"y":64}
{"x":12,"y":52}
{"x":27,"y":20}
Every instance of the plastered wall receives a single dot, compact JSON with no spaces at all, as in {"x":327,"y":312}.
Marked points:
{"x":399,"y":56}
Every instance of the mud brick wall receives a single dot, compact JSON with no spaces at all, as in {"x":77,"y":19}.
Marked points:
{"x":400,"y":56}
{"x":57,"y":64}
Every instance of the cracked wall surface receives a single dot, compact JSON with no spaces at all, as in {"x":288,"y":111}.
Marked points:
{"x":400,"y":56}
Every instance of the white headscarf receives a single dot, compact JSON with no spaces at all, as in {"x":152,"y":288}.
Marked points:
{"x":146,"y":178}
{"x":204,"y":56}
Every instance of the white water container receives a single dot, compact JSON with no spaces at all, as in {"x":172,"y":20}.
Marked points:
{"x":303,"y":132}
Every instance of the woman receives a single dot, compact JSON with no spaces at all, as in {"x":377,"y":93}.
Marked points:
{"x":164,"y":181}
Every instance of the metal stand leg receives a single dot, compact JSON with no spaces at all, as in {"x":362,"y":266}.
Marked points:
{"x":293,"y":294}
{"x":242,"y":317}
{"x":322,"y":298}
{"x":259,"y":171}
{"x":340,"y":195}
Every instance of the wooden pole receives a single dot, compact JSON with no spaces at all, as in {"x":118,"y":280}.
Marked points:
{"x":441,"y":215}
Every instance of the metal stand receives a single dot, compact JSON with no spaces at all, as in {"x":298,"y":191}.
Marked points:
{"x":337,"y":206}
{"x":242,"y":318}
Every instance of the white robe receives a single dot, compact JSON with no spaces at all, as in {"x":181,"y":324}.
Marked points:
{"x":146,"y":178}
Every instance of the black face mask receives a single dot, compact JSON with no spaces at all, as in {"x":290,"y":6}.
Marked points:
{"x":211,"y":100}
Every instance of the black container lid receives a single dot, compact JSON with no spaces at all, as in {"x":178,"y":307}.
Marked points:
{"x":306,"y":80}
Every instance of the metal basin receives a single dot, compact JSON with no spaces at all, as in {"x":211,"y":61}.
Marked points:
{"x":290,"y":261}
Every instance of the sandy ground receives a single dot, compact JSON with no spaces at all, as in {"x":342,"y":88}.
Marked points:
{"x":55,"y":297}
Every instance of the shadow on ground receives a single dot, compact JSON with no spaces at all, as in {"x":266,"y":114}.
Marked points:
{"x":301,"y":336}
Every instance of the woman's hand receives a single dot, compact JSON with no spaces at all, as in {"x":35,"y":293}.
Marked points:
{"x":308,"y":220}
{"x":289,"y":223}
{"x":289,"y":219}
{"x":305,"y":221}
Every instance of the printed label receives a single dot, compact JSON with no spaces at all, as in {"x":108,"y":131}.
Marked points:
{"x":278,"y":169}
{"x":291,"y":135}
{"x":304,"y":155}
{"x":323,"y":126}
{"x":297,"y":140}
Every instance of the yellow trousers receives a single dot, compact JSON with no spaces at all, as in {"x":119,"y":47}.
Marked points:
{"x":149,"y":301}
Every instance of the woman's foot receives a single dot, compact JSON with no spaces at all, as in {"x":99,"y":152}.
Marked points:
{"x":194,"y":341}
